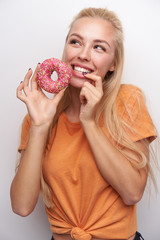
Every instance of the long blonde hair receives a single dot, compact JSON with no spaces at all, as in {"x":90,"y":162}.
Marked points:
{"x":107,"y":107}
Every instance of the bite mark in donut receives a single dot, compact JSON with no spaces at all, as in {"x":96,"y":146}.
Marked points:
{"x":64,"y":73}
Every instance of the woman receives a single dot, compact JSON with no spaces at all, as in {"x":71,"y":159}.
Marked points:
{"x":88,"y":141}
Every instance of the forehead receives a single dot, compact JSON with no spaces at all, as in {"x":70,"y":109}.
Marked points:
{"x":95,"y":27}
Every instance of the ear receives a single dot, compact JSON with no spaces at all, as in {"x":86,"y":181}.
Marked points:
{"x":112,"y":67}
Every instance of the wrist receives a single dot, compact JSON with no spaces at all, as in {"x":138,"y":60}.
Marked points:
{"x":38,"y":136}
{"x":89,"y":125}
{"x":40,"y":129}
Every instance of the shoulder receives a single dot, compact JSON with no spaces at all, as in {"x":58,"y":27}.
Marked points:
{"x":128,"y":90}
{"x":24,"y":133}
{"x":133,"y":112}
{"x":130,"y":102}
{"x":26,"y":121}
{"x":26,"y":118}
{"x":129,"y":97}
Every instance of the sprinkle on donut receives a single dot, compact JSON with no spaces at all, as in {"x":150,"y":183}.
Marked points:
{"x":64,"y":73}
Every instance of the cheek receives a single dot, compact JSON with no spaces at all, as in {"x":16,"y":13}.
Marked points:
{"x":66,"y":53}
{"x":104,"y":65}
{"x":69,"y":53}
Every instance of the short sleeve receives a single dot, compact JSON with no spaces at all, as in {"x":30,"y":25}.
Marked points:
{"x":24,"y":133}
{"x":134,"y":114}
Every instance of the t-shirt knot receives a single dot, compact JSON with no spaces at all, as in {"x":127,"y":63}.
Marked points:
{"x":79,"y":234}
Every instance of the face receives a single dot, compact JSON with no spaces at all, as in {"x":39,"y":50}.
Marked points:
{"x":89,"y":49}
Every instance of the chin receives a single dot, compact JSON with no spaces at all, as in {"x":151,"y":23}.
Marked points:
{"x":77,"y":83}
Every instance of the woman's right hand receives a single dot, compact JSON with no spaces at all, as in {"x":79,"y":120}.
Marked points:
{"x":41,"y":109}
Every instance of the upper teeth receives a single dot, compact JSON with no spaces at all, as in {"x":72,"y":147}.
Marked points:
{"x":79,"y":69}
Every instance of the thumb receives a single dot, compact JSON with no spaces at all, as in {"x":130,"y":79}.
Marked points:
{"x":58,"y":96}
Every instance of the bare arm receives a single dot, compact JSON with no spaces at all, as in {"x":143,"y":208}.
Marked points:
{"x":128,"y":181}
{"x":25,"y":187}
{"x":26,"y":183}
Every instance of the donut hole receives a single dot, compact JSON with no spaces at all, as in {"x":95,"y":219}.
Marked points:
{"x":54,"y":76}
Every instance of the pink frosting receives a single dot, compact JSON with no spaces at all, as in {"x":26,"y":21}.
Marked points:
{"x":64,"y":73}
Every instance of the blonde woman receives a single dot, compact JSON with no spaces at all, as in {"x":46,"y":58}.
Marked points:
{"x":87,"y":149}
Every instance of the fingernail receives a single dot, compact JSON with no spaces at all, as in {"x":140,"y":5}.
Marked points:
{"x":21,"y":82}
{"x":84,"y":73}
{"x":29,"y":69}
{"x":39,"y":63}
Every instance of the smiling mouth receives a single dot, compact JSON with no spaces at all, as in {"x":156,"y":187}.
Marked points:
{"x":81,"y":69}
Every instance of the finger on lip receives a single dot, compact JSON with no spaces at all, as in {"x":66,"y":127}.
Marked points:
{"x":87,"y":74}
{"x":84,"y":73}
{"x":91,"y":76}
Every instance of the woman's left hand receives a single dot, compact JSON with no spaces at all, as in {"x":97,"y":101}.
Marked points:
{"x":90,"y":95}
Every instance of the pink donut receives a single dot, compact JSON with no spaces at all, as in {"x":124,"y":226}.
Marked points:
{"x":44,"y":80}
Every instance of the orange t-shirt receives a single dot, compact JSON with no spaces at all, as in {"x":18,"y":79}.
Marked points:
{"x":85,"y":204}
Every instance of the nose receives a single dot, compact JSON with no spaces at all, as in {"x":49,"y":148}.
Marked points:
{"x":85,"y":53}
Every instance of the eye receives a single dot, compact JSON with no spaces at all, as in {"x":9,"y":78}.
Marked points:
{"x":100,"y":48}
{"x":74,"y":42}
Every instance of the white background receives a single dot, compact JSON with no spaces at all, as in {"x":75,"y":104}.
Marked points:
{"x":32,"y":31}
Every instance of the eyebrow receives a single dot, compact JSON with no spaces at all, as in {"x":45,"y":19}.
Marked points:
{"x":96,"y":40}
